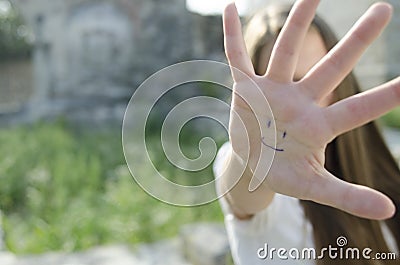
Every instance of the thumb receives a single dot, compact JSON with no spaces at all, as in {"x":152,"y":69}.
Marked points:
{"x":357,"y":200}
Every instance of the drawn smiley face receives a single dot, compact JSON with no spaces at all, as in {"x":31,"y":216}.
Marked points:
{"x":267,"y":145}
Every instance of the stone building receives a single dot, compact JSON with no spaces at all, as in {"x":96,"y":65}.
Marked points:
{"x":90,"y":55}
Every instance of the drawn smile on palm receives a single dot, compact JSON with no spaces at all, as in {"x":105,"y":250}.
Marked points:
{"x":270,"y":146}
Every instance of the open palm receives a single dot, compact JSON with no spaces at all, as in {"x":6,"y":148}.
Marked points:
{"x":303,"y":127}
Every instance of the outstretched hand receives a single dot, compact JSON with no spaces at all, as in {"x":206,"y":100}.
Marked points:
{"x":304,"y":128}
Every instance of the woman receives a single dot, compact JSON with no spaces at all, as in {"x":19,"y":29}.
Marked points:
{"x":305,"y":76}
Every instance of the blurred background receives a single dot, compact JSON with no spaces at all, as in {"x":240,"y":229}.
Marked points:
{"x":67,"y":72}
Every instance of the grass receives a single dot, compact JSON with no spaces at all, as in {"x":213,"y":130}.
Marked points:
{"x":67,"y":189}
{"x":392,"y":119}
{"x":63,"y":189}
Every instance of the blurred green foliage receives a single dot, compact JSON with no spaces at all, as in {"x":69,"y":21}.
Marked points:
{"x":392,"y":119}
{"x":65,"y":189}
{"x":14,"y":36}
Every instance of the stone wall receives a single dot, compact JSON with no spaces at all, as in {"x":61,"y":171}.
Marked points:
{"x":16,"y":84}
{"x":87,"y":68}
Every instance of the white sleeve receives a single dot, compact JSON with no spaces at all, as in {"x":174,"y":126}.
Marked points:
{"x":281,"y":224}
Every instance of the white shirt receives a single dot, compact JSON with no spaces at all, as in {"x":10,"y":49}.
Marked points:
{"x":281,"y":225}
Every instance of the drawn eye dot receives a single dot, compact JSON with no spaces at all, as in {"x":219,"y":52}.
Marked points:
{"x":284,"y":134}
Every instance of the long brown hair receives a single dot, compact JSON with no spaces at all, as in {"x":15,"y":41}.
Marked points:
{"x":359,"y":156}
